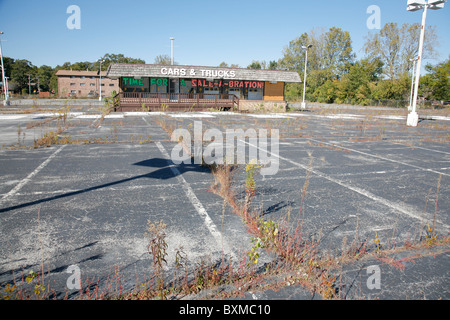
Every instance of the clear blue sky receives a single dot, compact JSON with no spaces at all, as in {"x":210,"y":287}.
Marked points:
{"x":206,"y":32}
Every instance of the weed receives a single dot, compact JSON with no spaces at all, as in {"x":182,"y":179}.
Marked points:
{"x":32,"y":288}
{"x":436,"y":202}
{"x":9,"y":291}
{"x":377,"y":244}
{"x":431,"y":236}
{"x":19,"y":132}
{"x":164,"y":107}
{"x":253,"y":253}
{"x":250,"y":181}
{"x":157,"y":248}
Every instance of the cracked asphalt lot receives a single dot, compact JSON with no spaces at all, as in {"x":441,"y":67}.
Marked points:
{"x":87,"y":202}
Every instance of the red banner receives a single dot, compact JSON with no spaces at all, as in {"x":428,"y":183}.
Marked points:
{"x":227,"y":83}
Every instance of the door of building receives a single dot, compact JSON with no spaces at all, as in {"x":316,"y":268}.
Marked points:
{"x":255,"y":94}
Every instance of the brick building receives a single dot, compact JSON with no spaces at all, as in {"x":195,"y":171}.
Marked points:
{"x":84,"y":84}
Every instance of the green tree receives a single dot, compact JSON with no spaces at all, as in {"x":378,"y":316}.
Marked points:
{"x":82,"y":66}
{"x":44,"y":73}
{"x":21,"y":72}
{"x":8,"y":63}
{"x":338,"y":54}
{"x":329,"y":58}
{"x":393,"y":89}
{"x":294,"y":56}
{"x":273,"y":65}
{"x":326,"y":93}
{"x":395,"y":46}
{"x":115,"y":58}
{"x":436,"y":84}
{"x":163,"y":59}
{"x":255,"y":65}
{"x":225,"y":65}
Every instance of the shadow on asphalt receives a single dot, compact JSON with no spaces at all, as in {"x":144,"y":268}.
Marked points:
{"x":163,"y":173}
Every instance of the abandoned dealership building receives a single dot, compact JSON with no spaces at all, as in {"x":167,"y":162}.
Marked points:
{"x":181,"y":87}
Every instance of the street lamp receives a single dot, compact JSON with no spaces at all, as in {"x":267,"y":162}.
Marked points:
{"x":100,"y":73}
{"x":171,"y":50}
{"x":414,"y":5}
{"x":6,"y":102}
{"x":304,"y":81}
{"x":7,"y":86}
{"x":412,"y":83}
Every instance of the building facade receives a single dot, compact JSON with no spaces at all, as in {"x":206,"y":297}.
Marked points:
{"x":196,"y":87}
{"x":85,"y":84}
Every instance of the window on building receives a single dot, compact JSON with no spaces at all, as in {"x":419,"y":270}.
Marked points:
{"x":234,"y":91}
{"x":111,"y":84}
{"x":72,"y":84}
{"x":159,"y":85}
{"x":186,"y":86}
{"x":92,"y":84}
{"x":82,"y":84}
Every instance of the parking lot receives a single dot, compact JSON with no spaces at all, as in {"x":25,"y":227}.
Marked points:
{"x":86,"y":199}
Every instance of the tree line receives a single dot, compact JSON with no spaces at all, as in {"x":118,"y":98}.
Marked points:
{"x":22,"y":73}
{"x":334,"y":75}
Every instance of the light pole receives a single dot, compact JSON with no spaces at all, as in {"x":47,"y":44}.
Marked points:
{"x":414,"y":5}
{"x":7,"y":87}
{"x":100,"y":74}
{"x":171,"y":50}
{"x":304,"y":81}
{"x":39,"y":85}
{"x":6,"y":102}
{"x":412,"y":84}
{"x":29,"y":85}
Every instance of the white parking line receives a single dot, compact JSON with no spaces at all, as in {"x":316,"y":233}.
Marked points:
{"x":197,"y":205}
{"x":190,"y":115}
{"x":402,"y":208}
{"x":11,"y":117}
{"x":382,"y":158}
{"x":142,"y":113}
{"x":268,"y":116}
{"x":416,"y":147}
{"x":31,"y":175}
{"x":345,"y":116}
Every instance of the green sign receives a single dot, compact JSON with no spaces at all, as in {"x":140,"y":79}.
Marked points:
{"x":163,"y":81}
{"x":133,"y":82}
{"x":158,"y":81}
{"x":140,"y":82}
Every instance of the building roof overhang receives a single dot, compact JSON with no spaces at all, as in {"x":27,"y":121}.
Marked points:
{"x":118,"y":70}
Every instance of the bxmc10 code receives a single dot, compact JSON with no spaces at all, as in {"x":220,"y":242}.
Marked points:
{"x":247,"y":309}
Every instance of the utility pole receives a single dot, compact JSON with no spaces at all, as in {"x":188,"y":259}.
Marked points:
{"x":171,"y":50}
{"x":414,"y":5}
{"x":100,"y":74}
{"x":304,"y":81}
{"x":5,"y":86}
